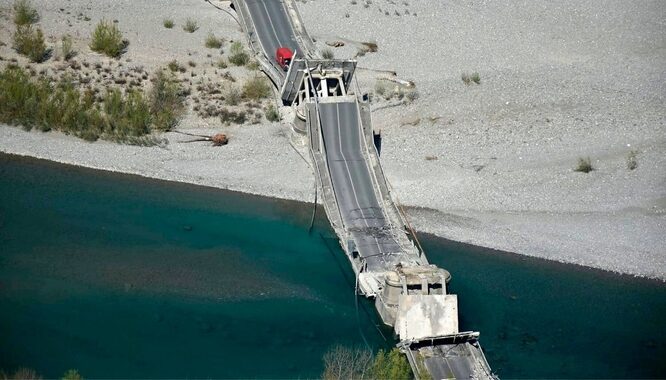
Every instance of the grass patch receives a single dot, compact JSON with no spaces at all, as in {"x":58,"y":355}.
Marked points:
{"x":327,"y":54}
{"x":128,"y":117}
{"x":191,"y":26}
{"x":29,"y":41}
{"x":256,"y":88}
{"x":213,"y":42}
{"x":584,"y":165}
{"x":108,"y":40}
{"x":238,"y":55}
{"x":272,"y":114}
{"x":24,"y":13}
{"x":168,"y":23}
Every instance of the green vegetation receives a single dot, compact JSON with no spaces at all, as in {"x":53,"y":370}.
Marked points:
{"x":253,"y":65}
{"x":272,"y":114}
{"x":346,"y":363}
{"x":108,"y":40}
{"x":166,"y":102}
{"x":232,"y":95}
{"x":221,"y":64}
{"x":190,"y":26}
{"x":213,"y":42}
{"x":476,"y":78}
{"x":469,"y":79}
{"x":227,"y":117}
{"x":256,"y":88}
{"x":327,"y":54}
{"x":30,"y":43}
{"x":632,"y":162}
{"x":22,"y":374}
{"x":391,"y":365}
{"x":129,"y":118}
{"x":174,"y":66}
{"x":168,"y":23}
{"x":24,"y":13}
{"x":584,"y":165}
{"x":72,"y":374}
{"x":238,"y":55}
{"x":66,"y":47}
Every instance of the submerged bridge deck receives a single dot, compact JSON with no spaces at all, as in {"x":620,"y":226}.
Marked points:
{"x":409,"y":293}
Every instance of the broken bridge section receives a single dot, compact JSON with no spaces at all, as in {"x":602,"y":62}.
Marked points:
{"x":410,"y":294}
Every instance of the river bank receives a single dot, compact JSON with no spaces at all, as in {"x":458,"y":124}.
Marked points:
{"x":489,"y":164}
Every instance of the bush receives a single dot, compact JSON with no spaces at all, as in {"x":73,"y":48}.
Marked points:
{"x":466,"y":78}
{"x":174,"y":66}
{"x":272,"y":114}
{"x":213,"y":42}
{"x":238,"y":55}
{"x":584,"y":165}
{"x":256,"y":88}
{"x":166,"y":102}
{"x":232,"y":95}
{"x":24,"y":13}
{"x":190,"y":26}
{"x":632,"y":162}
{"x":72,"y":374}
{"x":227,"y":117}
{"x":168,"y":23}
{"x":347,"y":363}
{"x":391,"y":365}
{"x":380,"y":88}
{"x":108,"y":40}
{"x":129,"y":118}
{"x":476,"y":78}
{"x":68,"y":51}
{"x":327,"y":54}
{"x":30,"y":43}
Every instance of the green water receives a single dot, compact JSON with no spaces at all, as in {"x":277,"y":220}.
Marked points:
{"x":120,"y":276}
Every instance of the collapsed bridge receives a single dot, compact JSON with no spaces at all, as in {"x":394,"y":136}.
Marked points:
{"x":410,"y":294}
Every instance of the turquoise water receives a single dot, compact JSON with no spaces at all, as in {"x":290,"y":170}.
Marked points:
{"x":119,"y":276}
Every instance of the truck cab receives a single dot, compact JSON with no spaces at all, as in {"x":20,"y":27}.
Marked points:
{"x":283,"y":56}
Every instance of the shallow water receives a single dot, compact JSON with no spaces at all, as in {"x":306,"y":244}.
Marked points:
{"x":120,"y":276}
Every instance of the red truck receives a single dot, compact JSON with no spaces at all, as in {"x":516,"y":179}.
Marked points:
{"x":283,"y":57}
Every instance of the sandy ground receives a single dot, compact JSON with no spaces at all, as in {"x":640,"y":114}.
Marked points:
{"x":559,"y":81}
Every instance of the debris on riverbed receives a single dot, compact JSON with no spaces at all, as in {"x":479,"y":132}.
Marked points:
{"x":217,"y":139}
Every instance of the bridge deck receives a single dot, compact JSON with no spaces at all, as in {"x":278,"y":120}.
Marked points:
{"x":361,"y":211}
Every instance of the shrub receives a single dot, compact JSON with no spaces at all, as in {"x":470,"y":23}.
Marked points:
{"x":213,"y":42}
{"x":30,"y":43}
{"x":62,"y":106}
{"x":380,"y":88}
{"x":466,"y":78}
{"x":391,"y":365}
{"x":327,"y":54}
{"x":221,"y":64}
{"x":72,"y":374}
{"x":256,"y":88}
{"x":174,"y":66}
{"x":632,"y":162}
{"x":272,"y":114}
{"x":68,"y":51}
{"x":168,"y":23}
{"x":253,"y":65}
{"x":347,"y":363}
{"x":190,"y":26}
{"x":24,"y":13}
{"x":108,"y":40}
{"x":584,"y":165}
{"x":476,"y":78}
{"x":227,"y":117}
{"x":232,"y":95}
{"x":238,"y":55}
{"x":166,"y":102}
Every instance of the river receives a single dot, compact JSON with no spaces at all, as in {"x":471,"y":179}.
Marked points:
{"x":121,"y":276}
